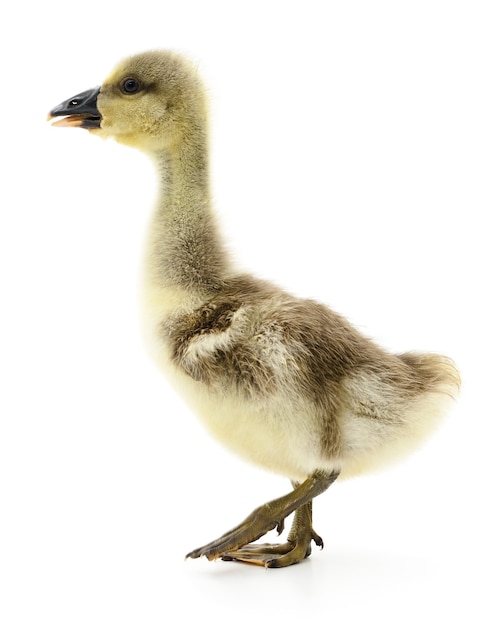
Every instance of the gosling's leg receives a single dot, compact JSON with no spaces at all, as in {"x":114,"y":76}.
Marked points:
{"x":296,"y":548}
{"x":272,"y":515}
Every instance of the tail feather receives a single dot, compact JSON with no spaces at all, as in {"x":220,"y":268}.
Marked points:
{"x":437,"y":372}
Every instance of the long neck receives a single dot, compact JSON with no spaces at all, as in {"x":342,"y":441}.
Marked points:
{"x":186,"y":252}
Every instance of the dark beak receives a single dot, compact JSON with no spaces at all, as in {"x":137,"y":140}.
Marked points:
{"x":79,"y":111}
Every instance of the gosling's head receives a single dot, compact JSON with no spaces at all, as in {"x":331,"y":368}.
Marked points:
{"x":152,"y":101}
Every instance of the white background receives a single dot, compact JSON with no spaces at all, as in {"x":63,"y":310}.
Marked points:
{"x":352,"y":157}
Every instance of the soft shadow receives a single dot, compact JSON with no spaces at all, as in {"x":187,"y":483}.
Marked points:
{"x":329,"y":571}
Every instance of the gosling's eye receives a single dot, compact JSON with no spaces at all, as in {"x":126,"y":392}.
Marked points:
{"x":130,"y":86}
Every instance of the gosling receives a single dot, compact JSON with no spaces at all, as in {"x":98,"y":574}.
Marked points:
{"x":284,"y":382}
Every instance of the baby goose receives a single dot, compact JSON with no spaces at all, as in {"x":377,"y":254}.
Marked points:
{"x":284,"y":382}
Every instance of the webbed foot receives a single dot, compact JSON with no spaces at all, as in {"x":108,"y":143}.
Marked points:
{"x":233,"y":545}
{"x":295,"y":549}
